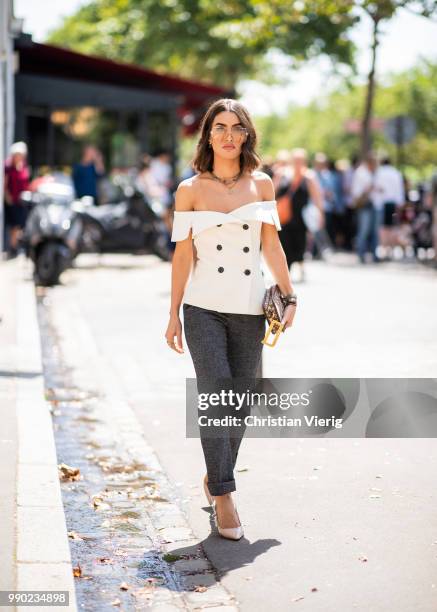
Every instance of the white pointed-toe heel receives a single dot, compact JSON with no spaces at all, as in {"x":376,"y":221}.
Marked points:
{"x":231,"y":533}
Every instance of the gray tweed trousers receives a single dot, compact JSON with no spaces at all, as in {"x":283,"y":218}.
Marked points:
{"x":226,"y":350}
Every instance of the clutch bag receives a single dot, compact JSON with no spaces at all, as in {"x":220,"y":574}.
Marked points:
{"x":273,"y":307}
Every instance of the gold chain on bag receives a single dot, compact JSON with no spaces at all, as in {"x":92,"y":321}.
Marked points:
{"x":273,"y":307}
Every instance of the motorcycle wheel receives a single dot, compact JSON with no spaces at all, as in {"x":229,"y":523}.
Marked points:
{"x":160,"y":247}
{"x":48,"y":265}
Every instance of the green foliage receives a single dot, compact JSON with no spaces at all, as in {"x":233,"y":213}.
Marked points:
{"x":227,"y":41}
{"x":321,"y":125}
{"x":219,"y":42}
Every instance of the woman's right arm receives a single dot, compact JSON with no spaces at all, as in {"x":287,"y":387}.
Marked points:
{"x":181,"y":268}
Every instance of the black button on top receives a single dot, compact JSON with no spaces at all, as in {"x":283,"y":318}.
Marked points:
{"x":245,"y":226}
{"x":246,"y":249}
{"x":221,"y":269}
{"x":247,"y":272}
{"x":219,"y":225}
{"x":219,"y":247}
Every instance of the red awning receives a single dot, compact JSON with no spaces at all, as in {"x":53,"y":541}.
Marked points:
{"x":36,"y":58}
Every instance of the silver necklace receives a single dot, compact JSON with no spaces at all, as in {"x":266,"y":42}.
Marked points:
{"x":228,"y":182}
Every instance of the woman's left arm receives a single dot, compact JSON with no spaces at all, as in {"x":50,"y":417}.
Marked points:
{"x":274,"y":256}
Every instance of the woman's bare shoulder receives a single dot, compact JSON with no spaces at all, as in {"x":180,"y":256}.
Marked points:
{"x":185,"y":195}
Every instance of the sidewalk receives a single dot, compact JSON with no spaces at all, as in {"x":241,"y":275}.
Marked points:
{"x":115,"y":536}
{"x":35,"y":553}
{"x":333,"y":515}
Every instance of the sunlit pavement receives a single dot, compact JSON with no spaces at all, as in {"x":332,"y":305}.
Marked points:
{"x":345,"y":524}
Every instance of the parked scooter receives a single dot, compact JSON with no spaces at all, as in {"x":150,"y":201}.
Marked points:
{"x":134,"y":225}
{"x":59,"y":227}
{"x":52,"y":235}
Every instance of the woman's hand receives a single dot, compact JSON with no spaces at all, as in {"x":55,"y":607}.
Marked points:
{"x":289,"y":312}
{"x":174,"y":330}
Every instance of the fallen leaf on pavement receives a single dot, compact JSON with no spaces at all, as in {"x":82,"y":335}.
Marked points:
{"x":66,"y":472}
{"x":77,"y":571}
{"x":171,"y":558}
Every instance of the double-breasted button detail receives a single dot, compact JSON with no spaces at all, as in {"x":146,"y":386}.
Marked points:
{"x":228,"y":246}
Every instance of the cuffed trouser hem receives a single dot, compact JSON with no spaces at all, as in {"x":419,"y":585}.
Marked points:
{"x":221,"y":488}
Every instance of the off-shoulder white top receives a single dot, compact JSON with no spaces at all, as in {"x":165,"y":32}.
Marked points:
{"x":226,"y":275}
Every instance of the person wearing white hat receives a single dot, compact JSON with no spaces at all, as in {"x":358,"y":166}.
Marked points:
{"x":18,"y":148}
{"x":222,"y":216}
{"x":17,"y":177}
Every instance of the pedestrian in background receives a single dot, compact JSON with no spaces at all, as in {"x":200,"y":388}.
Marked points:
{"x":364,"y":193}
{"x":350,"y":212}
{"x":17,"y":179}
{"x":162,"y":172}
{"x":326,"y":182}
{"x":339,"y":169}
{"x":87,"y":173}
{"x":146,"y":182}
{"x":281,"y":167}
{"x":389,"y":197}
{"x":299,"y":185}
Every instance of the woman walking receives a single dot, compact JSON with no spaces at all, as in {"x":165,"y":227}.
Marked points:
{"x":223,"y":214}
{"x":300,"y":187}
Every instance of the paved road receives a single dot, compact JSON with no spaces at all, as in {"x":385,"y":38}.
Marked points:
{"x":346,"y":524}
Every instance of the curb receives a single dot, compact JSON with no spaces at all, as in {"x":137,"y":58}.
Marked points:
{"x":168,"y":530}
{"x":42,"y":549}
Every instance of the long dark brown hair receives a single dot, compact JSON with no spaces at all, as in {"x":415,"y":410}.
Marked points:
{"x":204,"y":157}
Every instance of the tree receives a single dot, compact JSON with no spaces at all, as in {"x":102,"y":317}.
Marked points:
{"x":202,"y":39}
{"x":227,"y":41}
{"x":320,"y":126}
{"x":379,"y":12}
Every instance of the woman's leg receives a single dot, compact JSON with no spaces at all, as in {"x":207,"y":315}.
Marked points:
{"x":207,"y":340}
{"x":364,"y":220}
{"x":245,"y":333}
